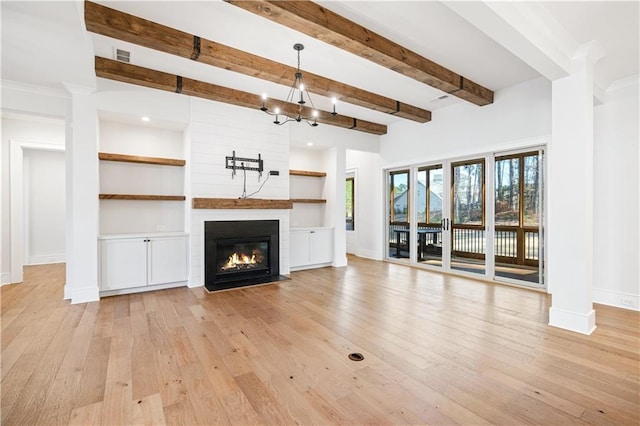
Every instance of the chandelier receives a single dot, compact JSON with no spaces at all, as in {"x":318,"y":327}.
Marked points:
{"x":297,"y":95}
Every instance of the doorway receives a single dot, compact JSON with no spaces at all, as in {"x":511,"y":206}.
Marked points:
{"x":19,"y":207}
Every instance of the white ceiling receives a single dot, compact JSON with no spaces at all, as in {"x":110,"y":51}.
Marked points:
{"x":44,"y":43}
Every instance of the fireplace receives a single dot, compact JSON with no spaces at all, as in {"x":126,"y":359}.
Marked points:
{"x":241,"y":252}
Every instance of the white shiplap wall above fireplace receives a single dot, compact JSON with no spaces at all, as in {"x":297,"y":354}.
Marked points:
{"x":216,"y":131}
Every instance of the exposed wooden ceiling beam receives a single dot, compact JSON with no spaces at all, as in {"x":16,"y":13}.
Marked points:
{"x":119,"y":25}
{"x":121,"y":71}
{"x":316,"y":21}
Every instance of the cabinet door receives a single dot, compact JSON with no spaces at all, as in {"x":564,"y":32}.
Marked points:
{"x":167,"y":259}
{"x":123,"y":263}
{"x":298,"y":248}
{"x":321,"y":246}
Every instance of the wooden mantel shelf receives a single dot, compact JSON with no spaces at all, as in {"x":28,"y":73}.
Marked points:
{"x":143,"y":160}
{"x":141,"y":197}
{"x":240,"y":203}
{"x":306,"y":173}
{"x":309,"y":200}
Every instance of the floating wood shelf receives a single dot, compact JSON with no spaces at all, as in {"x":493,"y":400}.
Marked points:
{"x":142,"y":197}
{"x":240,"y":203}
{"x":306,"y":173}
{"x":308,"y":200}
{"x":139,"y":159}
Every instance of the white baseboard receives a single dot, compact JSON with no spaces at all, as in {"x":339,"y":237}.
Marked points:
{"x":47,"y":258}
{"x":369,"y":254}
{"x":192,"y":284}
{"x":573,"y":321}
{"x":617,"y":299}
{"x":142,"y":289}
{"x":82,"y":295}
{"x":5,"y":278}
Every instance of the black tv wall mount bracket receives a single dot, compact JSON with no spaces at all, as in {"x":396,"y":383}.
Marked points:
{"x":251,"y":164}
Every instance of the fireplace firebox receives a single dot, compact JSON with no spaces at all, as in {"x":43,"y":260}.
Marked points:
{"x":239,"y":253}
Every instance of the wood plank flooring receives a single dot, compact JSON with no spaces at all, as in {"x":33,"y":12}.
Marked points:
{"x":438,"y":350}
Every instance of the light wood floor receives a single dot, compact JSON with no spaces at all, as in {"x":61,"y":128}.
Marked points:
{"x":438,"y":350}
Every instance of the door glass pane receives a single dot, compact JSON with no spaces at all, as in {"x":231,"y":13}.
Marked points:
{"x":467,"y":228}
{"x":399,"y":207}
{"x":422,"y":195}
{"x":467,"y":194}
{"x":401,"y":197}
{"x":507,"y":197}
{"x":435,"y":195}
{"x":517,"y":232}
{"x":429,"y":232}
{"x":531,"y":191}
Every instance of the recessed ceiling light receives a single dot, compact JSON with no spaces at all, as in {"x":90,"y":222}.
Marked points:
{"x":309,"y":143}
{"x":145,"y":118}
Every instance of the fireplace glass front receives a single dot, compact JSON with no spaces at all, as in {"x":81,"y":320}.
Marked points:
{"x":239,"y":253}
{"x":242,"y":256}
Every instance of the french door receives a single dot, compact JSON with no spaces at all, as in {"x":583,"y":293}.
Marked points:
{"x":467,"y":220}
{"x":478,"y":216}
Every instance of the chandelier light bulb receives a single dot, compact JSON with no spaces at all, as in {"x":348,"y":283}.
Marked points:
{"x":264,"y":102}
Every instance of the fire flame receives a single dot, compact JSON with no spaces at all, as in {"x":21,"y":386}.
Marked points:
{"x":239,"y":259}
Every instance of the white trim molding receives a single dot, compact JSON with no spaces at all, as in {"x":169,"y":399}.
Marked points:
{"x":617,"y":299}
{"x":573,"y":321}
{"x":46,"y":259}
{"x":82,"y":295}
{"x":4,"y":278}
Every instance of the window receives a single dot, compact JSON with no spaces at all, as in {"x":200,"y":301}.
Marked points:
{"x":399,"y":196}
{"x":350,"y":204}
{"x":430,"y":192}
{"x":468,"y":193}
{"x":517,"y":198}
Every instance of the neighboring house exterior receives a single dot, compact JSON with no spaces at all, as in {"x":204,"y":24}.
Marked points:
{"x":400,"y":203}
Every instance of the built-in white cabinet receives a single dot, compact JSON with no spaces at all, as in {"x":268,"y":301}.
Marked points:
{"x":310,"y":248}
{"x":135,"y":262}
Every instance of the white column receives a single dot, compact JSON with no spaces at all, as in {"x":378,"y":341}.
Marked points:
{"x":334,"y":192}
{"x":82,"y":197}
{"x":340,"y":233}
{"x":570,"y":196}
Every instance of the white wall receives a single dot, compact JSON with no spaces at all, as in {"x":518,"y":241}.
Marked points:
{"x":616,"y":210}
{"x":518,"y":113}
{"x":44,"y":206}
{"x":24,"y":128}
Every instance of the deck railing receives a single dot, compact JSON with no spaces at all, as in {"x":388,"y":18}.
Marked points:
{"x":470,"y":242}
